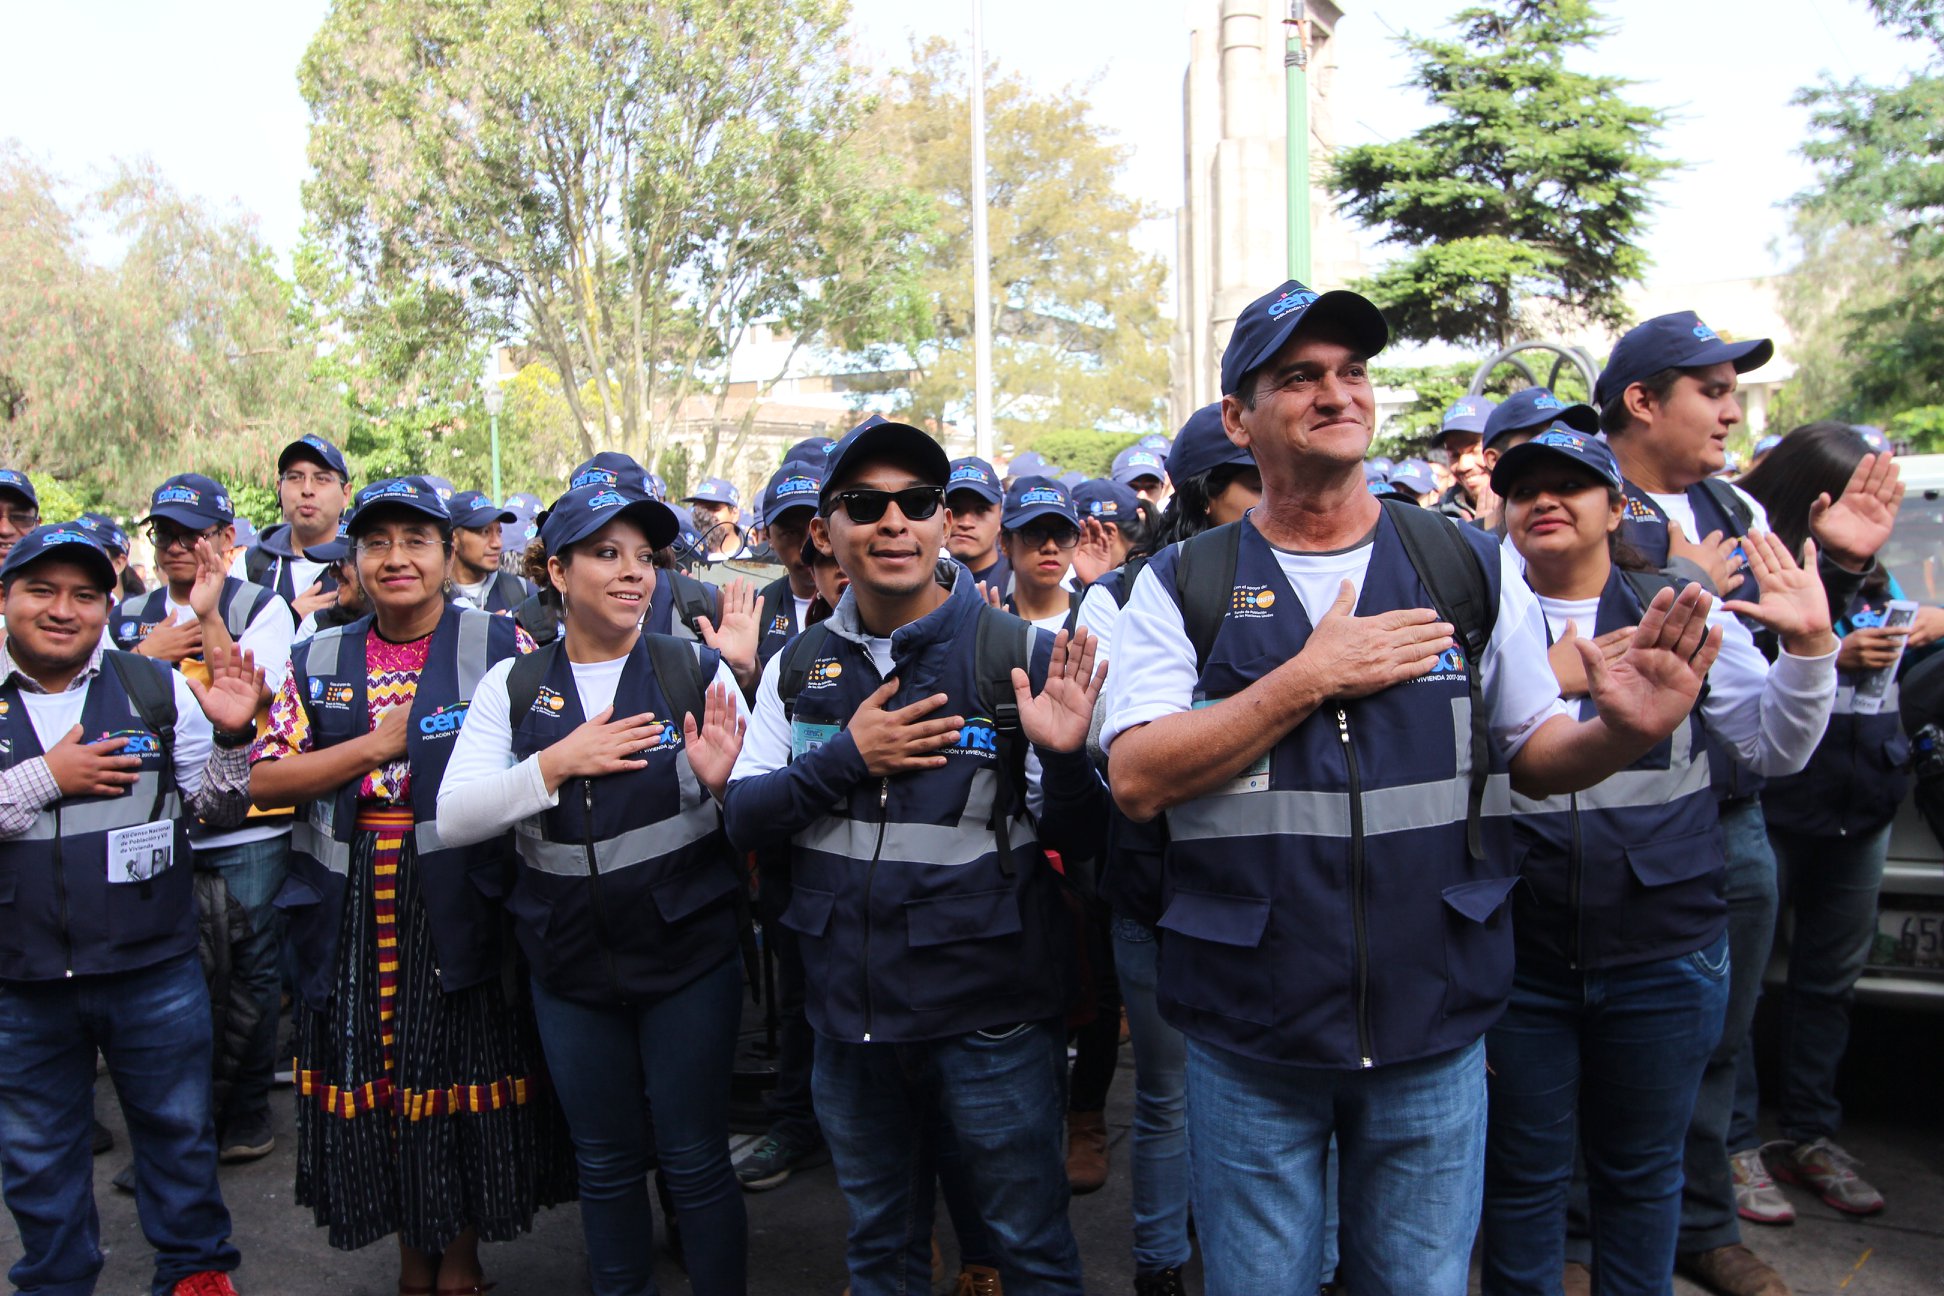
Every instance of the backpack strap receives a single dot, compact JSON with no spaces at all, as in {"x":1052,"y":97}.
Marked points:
{"x":694,"y":599}
{"x":539,"y":615}
{"x":523,"y":680}
{"x":1075,"y":597}
{"x":153,"y":693}
{"x":1461,"y":592}
{"x":512,"y":588}
{"x":1204,"y":575}
{"x":794,"y":673}
{"x":1001,"y":644}
{"x":256,"y":564}
{"x":1123,"y":589}
{"x":1730,"y":501}
{"x":679,"y":670}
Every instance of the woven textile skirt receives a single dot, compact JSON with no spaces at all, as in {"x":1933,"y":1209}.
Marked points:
{"x":419,"y":1113}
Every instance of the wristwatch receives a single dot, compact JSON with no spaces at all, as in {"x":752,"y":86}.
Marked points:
{"x":230,"y":739}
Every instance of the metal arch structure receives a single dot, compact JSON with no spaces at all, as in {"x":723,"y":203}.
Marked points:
{"x":1561,"y":354}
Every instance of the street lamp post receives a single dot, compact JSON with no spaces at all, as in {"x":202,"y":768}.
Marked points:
{"x":495,"y":398}
{"x":1296,"y":155}
{"x":981,"y":252}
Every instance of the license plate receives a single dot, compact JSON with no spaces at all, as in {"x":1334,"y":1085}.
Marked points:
{"x":1908,"y":938}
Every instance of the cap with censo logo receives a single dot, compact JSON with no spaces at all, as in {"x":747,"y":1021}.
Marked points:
{"x":318,"y":451}
{"x":793,"y":486}
{"x":192,"y":500}
{"x":62,"y":540}
{"x":1675,"y":341}
{"x":1557,"y":443}
{"x":1267,"y":323}
{"x":413,"y":494}
{"x":976,"y":476}
{"x":584,"y":510}
{"x":1533,"y":407}
{"x":1032,"y":498}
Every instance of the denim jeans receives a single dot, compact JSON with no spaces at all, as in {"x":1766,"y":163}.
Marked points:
{"x":1708,"y":1217}
{"x":1003,"y":1094}
{"x":1411,"y":1137}
{"x":254,"y":872}
{"x":611,"y":1065}
{"x":152,"y":1025}
{"x":793,"y":1117}
{"x":1160,"y":1139}
{"x":1615,"y":1055}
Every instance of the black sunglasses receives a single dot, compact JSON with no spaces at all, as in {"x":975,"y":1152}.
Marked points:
{"x":865,"y":506}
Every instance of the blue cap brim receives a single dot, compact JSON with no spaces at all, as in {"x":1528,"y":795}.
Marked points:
{"x":659,"y":523}
{"x":1033,"y":513}
{"x":484,"y":517}
{"x":890,"y":441}
{"x":1752,"y":354}
{"x":186,"y":517}
{"x":1133,"y":473}
{"x":1520,"y":458}
{"x":1356,"y":315}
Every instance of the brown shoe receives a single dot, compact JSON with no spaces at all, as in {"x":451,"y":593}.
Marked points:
{"x":1577,"y":1280}
{"x":979,"y":1280}
{"x":1086,"y":1151}
{"x":1731,"y":1271}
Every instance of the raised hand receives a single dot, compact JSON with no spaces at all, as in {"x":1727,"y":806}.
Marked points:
{"x":1565,"y":661}
{"x":1059,"y":716}
{"x":172,"y":641}
{"x":1792,"y":601}
{"x":713,"y":747}
{"x":601,"y":745}
{"x":1094,"y":556}
{"x":1354,"y":656}
{"x":91,"y":769}
{"x":207,"y":590}
{"x":992,"y":596}
{"x":1650,"y":688}
{"x":901,"y":741}
{"x":1715,"y":555}
{"x":234,"y":691}
{"x":1855,"y":526}
{"x":739,"y":629}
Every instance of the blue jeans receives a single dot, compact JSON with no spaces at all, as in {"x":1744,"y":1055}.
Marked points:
{"x":1616,"y":1056}
{"x":793,"y":1118}
{"x":254,"y":872}
{"x":1003,"y":1094}
{"x":1411,"y":1137}
{"x":152,"y":1026}
{"x":614,"y":1064}
{"x":1831,"y":885}
{"x":1708,"y":1217}
{"x":1160,"y":1140}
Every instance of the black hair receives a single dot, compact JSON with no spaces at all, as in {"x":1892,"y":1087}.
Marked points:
{"x":1622,"y":554}
{"x":1812,"y":460}
{"x":131,"y":583}
{"x":1614,"y":416}
{"x":1188,"y":508}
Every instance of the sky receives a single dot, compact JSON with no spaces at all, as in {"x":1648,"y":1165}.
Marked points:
{"x":208,"y":90}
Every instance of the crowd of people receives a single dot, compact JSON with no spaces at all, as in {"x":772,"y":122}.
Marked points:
{"x":1425,"y":843}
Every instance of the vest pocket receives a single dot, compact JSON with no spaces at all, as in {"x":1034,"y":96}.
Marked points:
{"x":1478,"y":944}
{"x":301,"y":904}
{"x":1203,"y":966}
{"x":973,"y":948}
{"x":808,"y":913}
{"x":1676,"y":859}
{"x":705,"y":881}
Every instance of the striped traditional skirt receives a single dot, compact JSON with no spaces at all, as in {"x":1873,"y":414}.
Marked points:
{"x":419,"y":1113}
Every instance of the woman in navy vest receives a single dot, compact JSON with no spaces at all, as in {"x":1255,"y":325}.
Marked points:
{"x":1622,"y":953}
{"x":625,"y":896}
{"x":422,"y":1108}
{"x":1830,"y":827}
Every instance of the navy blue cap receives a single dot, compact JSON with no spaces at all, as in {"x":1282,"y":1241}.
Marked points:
{"x":1071,"y":478}
{"x":441,"y":487}
{"x":1467,"y":414}
{"x":976,"y":475}
{"x":332,"y":551}
{"x":476,"y":509}
{"x":657,"y":487}
{"x":1537,"y":407}
{"x":246,"y":532}
{"x":715,"y":490}
{"x":794,"y":485}
{"x":20,"y":484}
{"x":61,"y":540}
{"x":1382,"y":463}
{"x":1138,"y":461}
{"x":1767,"y":443}
{"x":1156,"y":441}
{"x":608,"y":468}
{"x":1031,"y":498}
{"x":1266,"y":324}
{"x":1201,"y":445}
{"x":317,"y":450}
{"x":1032,"y":464}
{"x":1586,"y":451}
{"x":109,"y":532}
{"x":1414,"y":476}
{"x":876,"y":436}
{"x":1375,"y":472}
{"x":584,"y":510}
{"x":810,"y":450}
{"x":523,"y":503}
{"x":1676,"y":341}
{"x":192,"y":500}
{"x":414,"y":494}
{"x":1873,"y":437}
{"x":1106,"y":501}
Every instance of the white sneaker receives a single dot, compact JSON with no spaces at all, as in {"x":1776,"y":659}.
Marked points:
{"x":1756,"y":1196}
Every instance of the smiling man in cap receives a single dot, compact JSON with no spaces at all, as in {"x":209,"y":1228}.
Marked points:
{"x":313,"y":484}
{"x":1461,"y":436}
{"x":1332,"y":755}
{"x":973,"y":497}
{"x":478,"y":575}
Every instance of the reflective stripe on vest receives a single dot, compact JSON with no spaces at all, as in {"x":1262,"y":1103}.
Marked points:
{"x":644,"y":845}
{"x":965,"y":842}
{"x":1634,"y":788}
{"x":130,"y":810}
{"x":1845,"y":703}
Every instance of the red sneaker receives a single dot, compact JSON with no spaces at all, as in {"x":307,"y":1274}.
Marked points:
{"x":210,"y":1282}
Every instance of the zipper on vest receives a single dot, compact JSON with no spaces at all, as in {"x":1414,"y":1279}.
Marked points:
{"x":60,"y":890}
{"x":870,"y":876}
{"x":594,"y":887}
{"x":1573,"y":886}
{"x":1357,"y":889}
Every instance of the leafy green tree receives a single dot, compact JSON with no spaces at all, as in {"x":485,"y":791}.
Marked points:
{"x":1079,"y":450}
{"x":1526,"y":199}
{"x":1078,"y":338}
{"x":628,"y":187}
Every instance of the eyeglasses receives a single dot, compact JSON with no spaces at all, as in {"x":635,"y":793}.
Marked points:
{"x":20,"y":519}
{"x":417,"y":546}
{"x":306,"y":477}
{"x":167,"y":538}
{"x":866,"y":506}
{"x":1036,"y":537}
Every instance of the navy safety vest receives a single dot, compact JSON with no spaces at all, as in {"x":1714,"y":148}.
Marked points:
{"x":1643,"y":525}
{"x":1629,"y":870}
{"x":505,"y":591}
{"x":998,"y":576}
{"x":461,"y":888}
{"x":132,"y":621}
{"x":914,"y":926}
{"x":1334,"y":914}
{"x":1860,"y":771}
{"x":625,"y":888}
{"x":59,"y":914}
{"x":779,"y":615}
{"x":259,"y":560}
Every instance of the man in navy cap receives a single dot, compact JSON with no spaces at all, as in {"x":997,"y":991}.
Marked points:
{"x":313,"y":483}
{"x":112,"y":536}
{"x":933,"y":936}
{"x":973,"y":496}
{"x":789,"y":502}
{"x":718,"y":512}
{"x":192,"y":616}
{"x":19,"y":508}
{"x":1667,"y":402}
{"x":1145,"y":470}
{"x":1335,"y":879}
{"x":1461,"y":436}
{"x":478,"y":574}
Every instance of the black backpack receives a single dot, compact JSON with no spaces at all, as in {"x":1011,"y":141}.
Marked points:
{"x":1451,"y":569}
{"x":154,"y":697}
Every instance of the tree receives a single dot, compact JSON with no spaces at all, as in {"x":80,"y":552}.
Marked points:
{"x":1529,"y":194}
{"x":1078,"y":338}
{"x":182,"y":353}
{"x":629,"y":187}
{"x":1867,"y":301}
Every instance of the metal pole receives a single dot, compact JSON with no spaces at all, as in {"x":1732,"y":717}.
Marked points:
{"x":1296,"y":84}
{"x":492,"y":424}
{"x":981,"y":252}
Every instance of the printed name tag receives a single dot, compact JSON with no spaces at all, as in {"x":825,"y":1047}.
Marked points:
{"x":1253,"y":779}
{"x":806,"y":737}
{"x":141,"y":853}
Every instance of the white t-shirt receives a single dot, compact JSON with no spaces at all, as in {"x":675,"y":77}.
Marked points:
{"x":303,"y":572}
{"x":485,"y":791}
{"x":1680,"y":509}
{"x":53,"y":714}
{"x":474,"y":594}
{"x":802,"y":608}
{"x":1155,"y":673}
